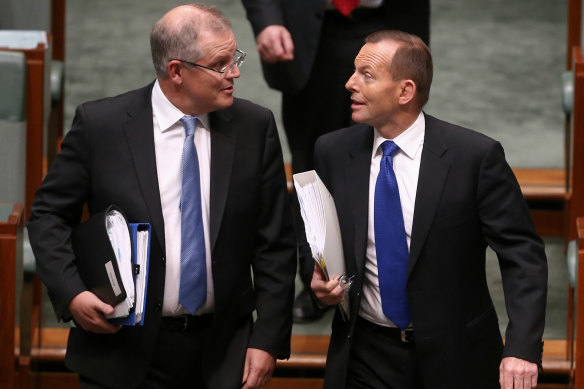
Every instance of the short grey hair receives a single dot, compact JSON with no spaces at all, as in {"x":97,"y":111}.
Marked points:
{"x":412,"y":60}
{"x":169,"y":41}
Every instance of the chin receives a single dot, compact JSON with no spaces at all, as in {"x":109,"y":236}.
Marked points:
{"x":226,"y":102}
{"x":357,"y":118}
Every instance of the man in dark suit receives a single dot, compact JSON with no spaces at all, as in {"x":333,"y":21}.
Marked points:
{"x":127,"y":151}
{"x":456,"y":195}
{"x":307,"y":49}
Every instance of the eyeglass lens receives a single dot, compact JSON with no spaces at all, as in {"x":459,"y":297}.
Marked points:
{"x":238,"y":59}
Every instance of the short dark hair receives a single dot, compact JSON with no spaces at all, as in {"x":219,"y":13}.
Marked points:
{"x":412,"y":60}
{"x":180,"y":41}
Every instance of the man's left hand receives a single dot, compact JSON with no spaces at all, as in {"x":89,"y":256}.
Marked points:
{"x":517,"y":373}
{"x":258,"y":368}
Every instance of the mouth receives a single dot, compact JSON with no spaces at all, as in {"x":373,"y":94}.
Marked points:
{"x":356,"y":104}
{"x":228,"y":89}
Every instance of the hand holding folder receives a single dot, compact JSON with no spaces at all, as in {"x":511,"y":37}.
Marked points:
{"x":112,"y":259}
{"x":322,"y":229}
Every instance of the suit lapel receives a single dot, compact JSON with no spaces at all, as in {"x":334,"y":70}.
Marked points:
{"x":222,"y":155}
{"x":433,"y":173}
{"x":357,"y":185}
{"x":139,"y":133}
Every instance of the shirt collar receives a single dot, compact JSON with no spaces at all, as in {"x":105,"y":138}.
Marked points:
{"x":408,"y":141}
{"x":166,"y":113}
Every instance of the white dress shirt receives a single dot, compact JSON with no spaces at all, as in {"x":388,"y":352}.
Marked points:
{"x":169,"y":135}
{"x":406,"y":165}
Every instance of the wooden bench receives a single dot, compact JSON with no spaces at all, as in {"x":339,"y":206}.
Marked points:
{"x":304,"y":369}
{"x":546,"y":193}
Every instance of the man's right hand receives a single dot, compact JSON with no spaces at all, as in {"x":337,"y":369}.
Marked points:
{"x":275,"y":44}
{"x":89,"y":312}
{"x":327,"y":292}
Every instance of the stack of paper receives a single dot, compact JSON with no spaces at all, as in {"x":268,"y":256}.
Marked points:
{"x":321,"y":226}
{"x":112,"y":258}
{"x":119,"y":236}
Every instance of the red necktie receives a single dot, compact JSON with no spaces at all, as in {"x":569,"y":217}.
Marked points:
{"x":346,"y":6}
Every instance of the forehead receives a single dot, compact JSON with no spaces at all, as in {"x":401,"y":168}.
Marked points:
{"x":376,"y":55}
{"x":214,"y":43}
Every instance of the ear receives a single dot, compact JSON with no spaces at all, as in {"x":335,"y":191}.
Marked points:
{"x":408,"y":91}
{"x":175,"y":70}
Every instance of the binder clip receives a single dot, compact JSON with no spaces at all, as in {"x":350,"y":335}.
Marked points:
{"x":345,"y":282}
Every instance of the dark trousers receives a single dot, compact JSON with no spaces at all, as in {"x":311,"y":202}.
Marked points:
{"x":380,"y":360}
{"x":177,"y":360}
{"x":324,"y":105}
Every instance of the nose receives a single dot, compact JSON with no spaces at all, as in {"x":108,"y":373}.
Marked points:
{"x":350,"y":85}
{"x":233,"y":72}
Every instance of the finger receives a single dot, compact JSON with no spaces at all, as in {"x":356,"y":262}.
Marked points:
{"x":252,"y":379}
{"x":318,"y":273}
{"x":507,"y":382}
{"x":245,"y":372}
{"x":277,"y":49}
{"x":102,"y":326}
{"x":534,"y":380}
{"x":288,"y":45}
{"x":104,"y":308}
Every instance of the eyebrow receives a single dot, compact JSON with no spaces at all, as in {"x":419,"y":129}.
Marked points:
{"x":363,"y":68}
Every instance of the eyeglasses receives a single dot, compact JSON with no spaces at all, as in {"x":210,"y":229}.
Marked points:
{"x":238,"y":59}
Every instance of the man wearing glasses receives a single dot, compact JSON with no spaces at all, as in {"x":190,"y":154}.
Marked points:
{"x":206,"y":171}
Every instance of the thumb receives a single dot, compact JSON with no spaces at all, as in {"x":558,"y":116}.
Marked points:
{"x":107,"y":309}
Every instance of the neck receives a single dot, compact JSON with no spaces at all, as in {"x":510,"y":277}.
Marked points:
{"x":177,"y":99}
{"x":394,"y":128}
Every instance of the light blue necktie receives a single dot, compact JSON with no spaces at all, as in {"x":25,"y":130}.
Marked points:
{"x":193,"y":272}
{"x":390,"y":242}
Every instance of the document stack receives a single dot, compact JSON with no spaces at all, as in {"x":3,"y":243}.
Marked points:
{"x":322,"y":229}
{"x":112,"y":256}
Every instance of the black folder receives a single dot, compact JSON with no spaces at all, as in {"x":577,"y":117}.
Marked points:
{"x":96,"y":259}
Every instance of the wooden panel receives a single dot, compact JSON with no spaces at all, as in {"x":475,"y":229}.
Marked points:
{"x":542,"y":184}
{"x":574,"y":29}
{"x":52,"y":380}
{"x":294,"y":383}
{"x":10,"y":232}
{"x":576,"y":193}
{"x":58,"y":28}
{"x":549,"y":223}
{"x":579,"y":356}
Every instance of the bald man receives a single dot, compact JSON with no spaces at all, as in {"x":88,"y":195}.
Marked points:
{"x":128,"y":150}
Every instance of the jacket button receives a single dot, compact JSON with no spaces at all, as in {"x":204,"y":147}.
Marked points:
{"x":158,"y":306}
{"x":163,"y":259}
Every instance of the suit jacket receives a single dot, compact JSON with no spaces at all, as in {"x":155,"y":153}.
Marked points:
{"x":108,"y":157}
{"x":467,"y":199}
{"x":304,"y":19}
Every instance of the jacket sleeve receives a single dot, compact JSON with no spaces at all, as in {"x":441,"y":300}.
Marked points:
{"x":57,"y":207}
{"x":274,"y":259}
{"x":263,"y":13}
{"x":510,"y":232}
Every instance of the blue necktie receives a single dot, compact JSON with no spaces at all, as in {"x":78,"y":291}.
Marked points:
{"x":193,"y":272}
{"x":390,"y":241}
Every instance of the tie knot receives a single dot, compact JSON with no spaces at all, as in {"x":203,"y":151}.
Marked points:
{"x":189,"y":122}
{"x":389,"y":148}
